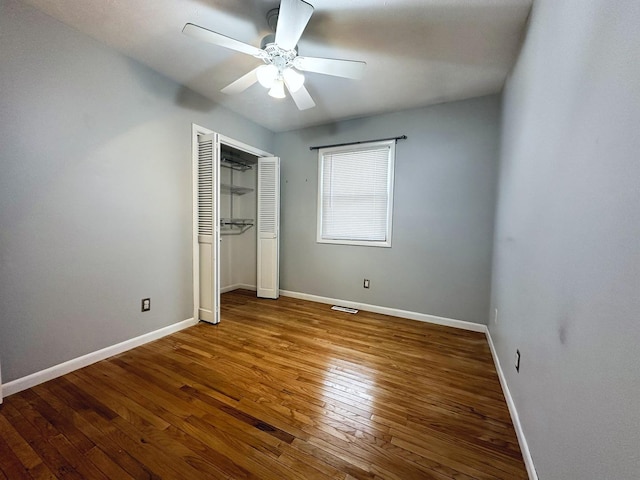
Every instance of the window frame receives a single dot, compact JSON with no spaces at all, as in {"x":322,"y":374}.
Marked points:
{"x":390,"y":192}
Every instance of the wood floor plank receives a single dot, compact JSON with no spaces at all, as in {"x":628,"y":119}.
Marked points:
{"x":29,"y":459}
{"x":160,"y":451}
{"x":39,"y":441}
{"x":76,"y":459}
{"x":285,"y":389}
{"x":11,"y":464}
{"x":106,"y":465}
{"x":54,"y":394}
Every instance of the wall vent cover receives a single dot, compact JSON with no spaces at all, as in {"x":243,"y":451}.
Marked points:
{"x":344,"y":309}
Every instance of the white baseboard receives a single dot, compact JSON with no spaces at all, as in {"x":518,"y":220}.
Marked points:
{"x":237,"y":286}
{"x":50,"y":373}
{"x":394,"y":312}
{"x":515,"y":419}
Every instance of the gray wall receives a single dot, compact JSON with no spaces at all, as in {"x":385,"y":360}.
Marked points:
{"x":567,"y":248}
{"x":440,"y":260}
{"x":95,"y":192}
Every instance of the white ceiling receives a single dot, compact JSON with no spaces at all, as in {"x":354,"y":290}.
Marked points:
{"x":418,"y":52}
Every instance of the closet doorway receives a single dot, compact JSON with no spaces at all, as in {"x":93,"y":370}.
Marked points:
{"x":236,"y":217}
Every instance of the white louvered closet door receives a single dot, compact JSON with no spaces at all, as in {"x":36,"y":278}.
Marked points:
{"x":268,"y":227}
{"x":208,"y":227}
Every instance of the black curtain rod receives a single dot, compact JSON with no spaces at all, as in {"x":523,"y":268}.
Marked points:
{"x":402,"y":137}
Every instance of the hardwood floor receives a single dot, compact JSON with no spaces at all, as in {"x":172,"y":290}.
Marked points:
{"x":279,"y":389}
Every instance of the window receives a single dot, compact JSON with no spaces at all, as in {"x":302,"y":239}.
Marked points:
{"x":355,"y":194}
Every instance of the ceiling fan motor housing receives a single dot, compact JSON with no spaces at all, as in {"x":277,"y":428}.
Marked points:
{"x":268,"y":43}
{"x":268,"y":39}
{"x":277,"y":56}
{"x":272,"y":18}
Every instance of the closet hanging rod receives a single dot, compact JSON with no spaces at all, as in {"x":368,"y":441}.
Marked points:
{"x":235,"y":164}
{"x":401,"y":137}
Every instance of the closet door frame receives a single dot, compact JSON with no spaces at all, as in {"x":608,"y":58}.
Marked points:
{"x":222,"y":140}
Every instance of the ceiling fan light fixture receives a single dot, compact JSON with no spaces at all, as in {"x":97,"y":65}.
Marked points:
{"x":294,"y":79}
{"x":277,"y":91}
{"x":267,"y":75}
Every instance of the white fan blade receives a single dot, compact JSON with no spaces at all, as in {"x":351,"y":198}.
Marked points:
{"x":302,"y":98}
{"x":292,"y":20}
{"x":222,"y":40}
{"x":330,"y":66}
{"x":242,"y":83}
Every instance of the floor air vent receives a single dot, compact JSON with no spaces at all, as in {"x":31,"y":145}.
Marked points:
{"x":344,"y":309}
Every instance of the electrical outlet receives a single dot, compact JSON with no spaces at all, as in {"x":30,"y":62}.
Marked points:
{"x":366,"y":283}
{"x":495,"y":316}
{"x":518,"y":361}
{"x":146,"y":304}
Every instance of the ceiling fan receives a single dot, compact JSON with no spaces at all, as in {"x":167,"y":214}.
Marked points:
{"x":282,"y":64}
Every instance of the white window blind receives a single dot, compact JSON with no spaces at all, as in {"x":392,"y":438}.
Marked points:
{"x":355,"y":194}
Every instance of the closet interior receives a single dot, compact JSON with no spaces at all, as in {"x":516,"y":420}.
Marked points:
{"x":238,"y":218}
